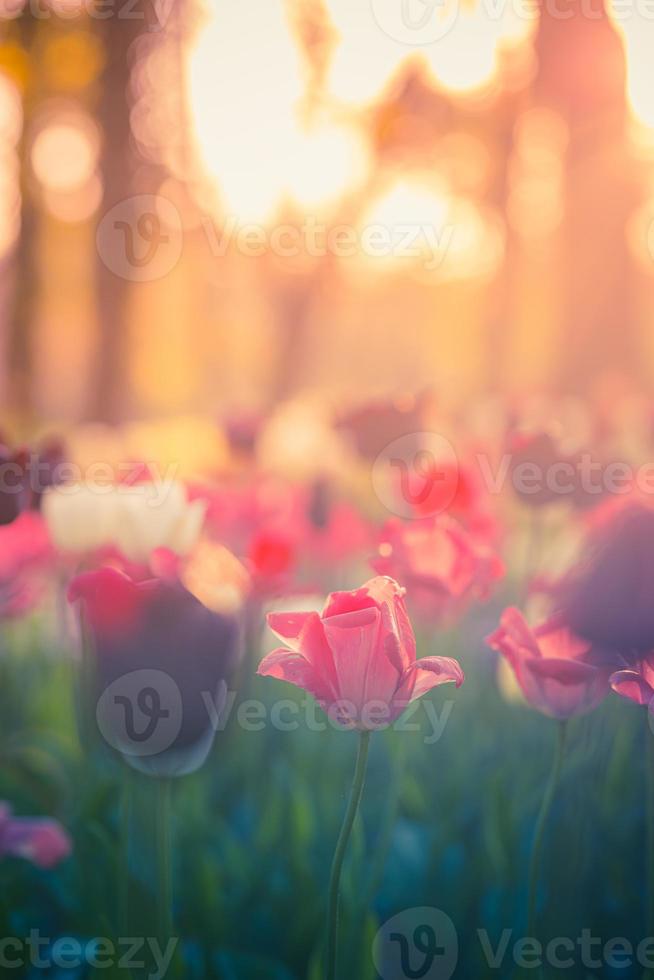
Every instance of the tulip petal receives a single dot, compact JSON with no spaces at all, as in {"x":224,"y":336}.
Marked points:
{"x":288,"y":626}
{"x":399,"y":641}
{"x":556,"y":640}
{"x":365,"y":672}
{"x":646,"y":668}
{"x":563,"y":671}
{"x":514,"y":628}
{"x":427,"y":673}
{"x":340,"y":603}
{"x":304,"y":634}
{"x":630,"y":684}
{"x":286,"y":665}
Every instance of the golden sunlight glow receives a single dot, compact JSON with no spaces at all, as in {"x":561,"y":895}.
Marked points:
{"x":64,"y":154}
{"x":366,"y":58}
{"x":249,"y":134}
{"x":467,"y":58}
{"x":409,"y":204}
{"x":463,"y":57}
{"x":432,"y":232}
{"x":243,"y":126}
{"x":535,"y":206}
{"x":326,"y":162}
{"x":638,"y":37}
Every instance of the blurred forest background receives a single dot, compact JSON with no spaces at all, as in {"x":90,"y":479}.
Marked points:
{"x":524,"y":134}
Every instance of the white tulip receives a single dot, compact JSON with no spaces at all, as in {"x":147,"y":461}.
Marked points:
{"x":79,"y":518}
{"x":137,"y":519}
{"x":167,"y":520}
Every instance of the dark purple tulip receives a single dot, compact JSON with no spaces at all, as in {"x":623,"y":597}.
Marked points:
{"x":13,"y":484}
{"x":608,"y":600}
{"x":45,"y":467}
{"x":162,"y":662}
{"x":25,"y":475}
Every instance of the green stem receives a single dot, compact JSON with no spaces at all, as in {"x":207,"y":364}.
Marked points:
{"x":123,"y":863}
{"x":388,"y":822}
{"x":539,"y":831}
{"x":649,"y":782}
{"x":341,"y":847}
{"x":164,"y":896}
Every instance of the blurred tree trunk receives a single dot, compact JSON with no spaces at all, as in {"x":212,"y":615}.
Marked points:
{"x":582,"y":70}
{"x":117,"y":167}
{"x":22,"y":312}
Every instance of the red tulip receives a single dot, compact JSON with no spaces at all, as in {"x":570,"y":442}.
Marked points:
{"x":357,"y":657}
{"x":442,"y":565}
{"x":552,"y":665}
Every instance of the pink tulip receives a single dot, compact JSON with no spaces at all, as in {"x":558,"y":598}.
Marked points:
{"x":552,"y":665}
{"x":636,"y":683}
{"x":357,"y":657}
{"x":25,"y":553}
{"x":44,"y":842}
{"x":442,"y":565}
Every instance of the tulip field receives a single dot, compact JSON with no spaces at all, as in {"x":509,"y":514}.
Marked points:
{"x":326,"y":490}
{"x":386,"y":721}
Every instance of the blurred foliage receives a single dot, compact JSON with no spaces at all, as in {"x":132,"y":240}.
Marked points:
{"x":446,"y":824}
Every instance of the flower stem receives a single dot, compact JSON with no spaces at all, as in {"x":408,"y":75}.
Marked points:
{"x":123,"y":863}
{"x":388,"y":821}
{"x":341,"y":847}
{"x":539,"y":831}
{"x":649,"y":782}
{"x":164,"y":896}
